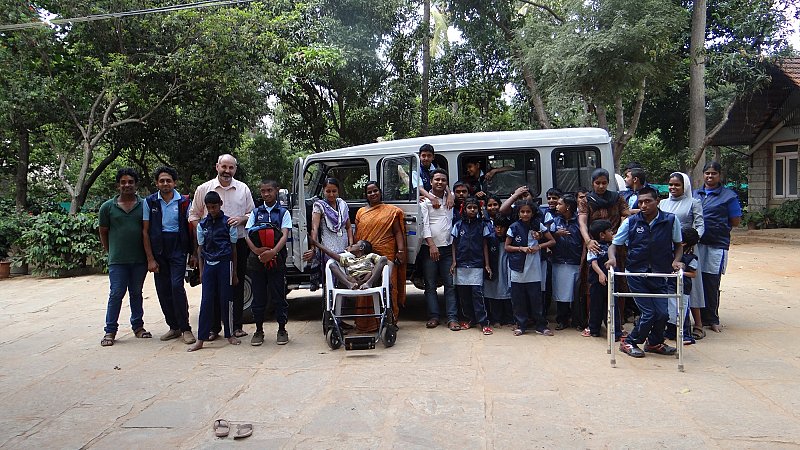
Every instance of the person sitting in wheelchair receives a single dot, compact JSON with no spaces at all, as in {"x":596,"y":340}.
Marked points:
{"x":357,"y":267}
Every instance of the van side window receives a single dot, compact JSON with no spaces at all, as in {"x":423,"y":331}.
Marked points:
{"x":351,"y":174}
{"x":573,"y":167}
{"x":504,"y":171}
{"x":399,"y":179}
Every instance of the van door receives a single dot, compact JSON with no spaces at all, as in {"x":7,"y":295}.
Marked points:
{"x":399,"y":179}
{"x":299,"y":221}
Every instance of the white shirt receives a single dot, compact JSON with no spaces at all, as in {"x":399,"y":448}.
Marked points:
{"x":437,"y":223}
{"x":237,"y":200}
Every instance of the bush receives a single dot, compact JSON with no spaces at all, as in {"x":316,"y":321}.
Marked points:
{"x":55,"y":243}
{"x":11,"y":228}
{"x":788,"y":214}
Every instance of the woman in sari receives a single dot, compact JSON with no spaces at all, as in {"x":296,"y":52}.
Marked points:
{"x":689,"y":211}
{"x":384,"y":227}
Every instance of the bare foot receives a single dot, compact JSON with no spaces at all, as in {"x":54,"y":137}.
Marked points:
{"x":196,"y":346}
{"x":365,"y":286}
{"x":352,"y":286}
{"x":716,"y":328}
{"x":234,"y":341}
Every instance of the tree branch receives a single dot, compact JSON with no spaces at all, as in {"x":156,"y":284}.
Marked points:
{"x":710,"y":136}
{"x":545,"y":8}
{"x":637,"y":112}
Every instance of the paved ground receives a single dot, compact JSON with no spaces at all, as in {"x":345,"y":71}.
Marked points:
{"x":436,"y":388}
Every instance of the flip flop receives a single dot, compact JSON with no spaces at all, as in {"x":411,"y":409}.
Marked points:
{"x":221,"y":428}
{"x":243,"y":430}
{"x":141,"y":333}
{"x":454,"y":326}
{"x":433,"y":323}
{"x":698,"y":333}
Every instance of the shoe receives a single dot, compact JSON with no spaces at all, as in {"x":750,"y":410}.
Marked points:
{"x":586,"y":333}
{"x":465,"y":325}
{"x":561,"y":326}
{"x":661,"y":349}
{"x":188,"y":337}
{"x":688,"y":340}
{"x":545,"y":332}
{"x":171,"y":334}
{"x":487,"y":330}
{"x":257,"y":339}
{"x":283,"y":337}
{"x":631,"y":349}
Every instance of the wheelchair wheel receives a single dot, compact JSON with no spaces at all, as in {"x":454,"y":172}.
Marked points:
{"x":333,"y":338}
{"x":389,"y":335}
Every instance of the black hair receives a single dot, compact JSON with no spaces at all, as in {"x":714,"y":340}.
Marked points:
{"x":366,"y":246}
{"x":332,"y":181}
{"x":269,"y":182}
{"x":440,"y":171}
{"x":648,"y":190}
{"x":370,"y":183}
{"x":471,"y":201}
{"x":599,"y":226}
{"x":555,"y":192}
{"x":502,"y":221}
{"x":600,"y":173}
{"x":165,"y":169}
{"x":571,"y":202}
{"x":713,"y":165}
{"x":426,"y":148}
{"x":495,"y":198}
{"x":473,"y":160}
{"x":129,"y":172}
{"x":632,"y":165}
{"x":690,"y":236}
{"x":527,"y":202}
{"x":581,"y":190}
{"x":458,"y":184}
{"x":213,"y":198}
{"x":639,"y":173}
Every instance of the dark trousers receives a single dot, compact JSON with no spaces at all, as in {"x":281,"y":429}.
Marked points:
{"x":217,"y":296}
{"x":547,"y":293}
{"x":169,"y":283}
{"x":238,"y":291}
{"x":499,"y":310}
{"x":563,"y":312}
{"x":526,"y":300}
{"x":654,"y":312}
{"x":598,"y":309}
{"x":269,"y":285}
{"x":710,"y":314}
{"x":473,"y":306}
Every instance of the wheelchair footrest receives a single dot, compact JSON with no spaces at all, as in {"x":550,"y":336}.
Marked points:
{"x":359,"y":342}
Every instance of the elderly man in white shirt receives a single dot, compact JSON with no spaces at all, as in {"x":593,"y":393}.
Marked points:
{"x":238,"y":201}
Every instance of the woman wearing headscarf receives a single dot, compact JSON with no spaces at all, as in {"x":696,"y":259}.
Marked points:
{"x":689,"y":212}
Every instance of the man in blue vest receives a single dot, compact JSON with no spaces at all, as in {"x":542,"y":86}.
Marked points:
{"x":654,"y":243}
{"x":266,"y":264}
{"x":165,"y":231}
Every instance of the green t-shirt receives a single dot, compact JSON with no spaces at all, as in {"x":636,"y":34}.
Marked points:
{"x":124,"y":232}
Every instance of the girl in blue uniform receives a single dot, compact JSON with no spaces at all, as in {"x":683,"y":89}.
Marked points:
{"x":565,"y":257}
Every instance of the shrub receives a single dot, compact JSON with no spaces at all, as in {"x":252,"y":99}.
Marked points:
{"x":55,"y":243}
{"x":11,"y":228}
{"x":788,"y":214}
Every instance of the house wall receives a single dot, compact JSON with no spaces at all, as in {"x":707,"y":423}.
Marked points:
{"x":759,"y":177}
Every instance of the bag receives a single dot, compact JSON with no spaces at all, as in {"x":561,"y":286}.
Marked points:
{"x":192,"y":276}
{"x":265,"y":235}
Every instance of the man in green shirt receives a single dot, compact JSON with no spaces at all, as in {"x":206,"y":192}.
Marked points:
{"x":121,"y":235}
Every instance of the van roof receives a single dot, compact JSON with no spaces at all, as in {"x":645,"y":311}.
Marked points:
{"x":478,"y":141}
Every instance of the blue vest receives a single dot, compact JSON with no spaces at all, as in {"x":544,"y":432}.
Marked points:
{"x":602,"y":259}
{"x":469,"y":243}
{"x":274,"y":218}
{"x":650,"y":247}
{"x":156,"y":244}
{"x":516,"y":260}
{"x":425,"y":176}
{"x":568,"y":249}
{"x":493,"y":243}
{"x":216,"y":239}
{"x":717,"y":233}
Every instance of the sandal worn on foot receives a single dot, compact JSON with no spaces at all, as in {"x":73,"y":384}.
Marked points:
{"x":239,"y":333}
{"x":487,"y":330}
{"x":108,"y":339}
{"x":141,"y":333}
{"x":454,"y":326}
{"x":221,"y":428}
{"x":518,"y":332}
{"x":698,"y":333}
{"x":586,"y":333}
{"x":433,"y":323}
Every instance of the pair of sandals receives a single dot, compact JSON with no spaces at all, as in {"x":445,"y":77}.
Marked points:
{"x":108,"y":338}
{"x":222,"y":428}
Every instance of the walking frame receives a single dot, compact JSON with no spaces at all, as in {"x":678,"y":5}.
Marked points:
{"x":612,"y":308}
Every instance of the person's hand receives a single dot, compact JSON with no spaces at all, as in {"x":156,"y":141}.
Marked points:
{"x":521,"y":192}
{"x":489,"y":271}
{"x":435,"y":202}
{"x":434,"y":253}
{"x":152,"y":266}
{"x":308,"y":255}
{"x":593,"y":246}
{"x":235,"y":221}
{"x":611,"y":263}
{"x":399,"y":257}
{"x":561,"y":232}
{"x":533,"y":249}
{"x":193,"y":261}
{"x":480,"y":195}
{"x":537,"y":235}
{"x":677,"y":265}
{"x":450,"y":201}
{"x":453,"y":268}
{"x":235,"y":280}
{"x":603,"y":279}
{"x":490,"y":174}
{"x":267,"y":256}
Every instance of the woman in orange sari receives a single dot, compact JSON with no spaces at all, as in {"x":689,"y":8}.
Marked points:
{"x":384,"y":227}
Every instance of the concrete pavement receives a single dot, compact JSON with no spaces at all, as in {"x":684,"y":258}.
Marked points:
{"x":434,"y":389}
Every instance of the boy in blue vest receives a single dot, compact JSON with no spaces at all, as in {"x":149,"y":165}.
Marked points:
{"x":266,"y":264}
{"x":216,"y":242}
{"x":655,"y":245}
{"x":167,"y":242}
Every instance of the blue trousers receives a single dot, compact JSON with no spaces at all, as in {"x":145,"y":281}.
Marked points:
{"x":526,"y":300}
{"x":474,"y":308}
{"x":169,"y":283}
{"x":217,"y":294}
{"x":439,"y":269}
{"x":500,"y":310}
{"x":654,"y":315}
{"x":125,"y":278}
{"x":269,"y":285}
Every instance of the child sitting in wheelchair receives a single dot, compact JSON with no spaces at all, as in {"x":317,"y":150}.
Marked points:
{"x":357,"y":267}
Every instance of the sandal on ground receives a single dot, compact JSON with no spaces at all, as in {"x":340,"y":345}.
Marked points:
{"x":586,"y":333}
{"x":239,"y":333}
{"x":518,"y":332}
{"x":141,"y":333}
{"x":221,"y":428}
{"x":465,"y":326}
{"x":698,"y":333}
{"x":243,"y":430}
{"x":487,"y":330}
{"x":433,"y":323}
{"x":454,"y":326}
{"x":108,"y":339}
{"x":545,"y":332}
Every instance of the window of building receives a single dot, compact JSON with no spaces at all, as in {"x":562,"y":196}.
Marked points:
{"x":784,"y":171}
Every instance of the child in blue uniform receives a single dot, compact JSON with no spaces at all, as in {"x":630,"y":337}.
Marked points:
{"x":565,"y":257}
{"x":690,"y":266}
{"x":216,"y":241}
{"x":548,"y":214}
{"x":526,"y":268}
{"x":497,"y":287}
{"x":602,"y":232}
{"x":470,"y":259}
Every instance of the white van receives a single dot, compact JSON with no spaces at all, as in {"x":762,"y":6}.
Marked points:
{"x":540,"y":159}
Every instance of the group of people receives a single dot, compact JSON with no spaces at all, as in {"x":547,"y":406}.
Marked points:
{"x":501,"y":262}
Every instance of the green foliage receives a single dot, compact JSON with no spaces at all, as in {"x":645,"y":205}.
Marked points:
{"x":264,"y":157}
{"x":658,"y":160}
{"x":788,"y":214}
{"x":753,"y":219}
{"x":11,"y":226}
{"x":55,"y":243}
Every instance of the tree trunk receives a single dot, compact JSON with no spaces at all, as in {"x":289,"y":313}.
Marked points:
{"x":23,"y":159}
{"x":426,"y":66}
{"x":697,"y":90}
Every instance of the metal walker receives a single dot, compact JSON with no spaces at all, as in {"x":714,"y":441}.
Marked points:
{"x":612,"y":308}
